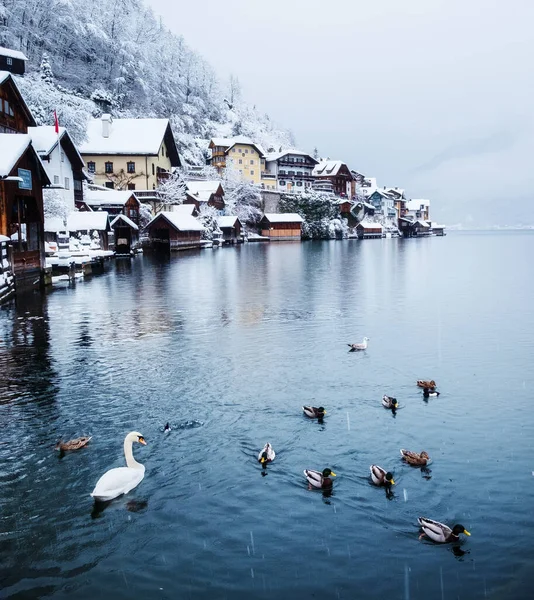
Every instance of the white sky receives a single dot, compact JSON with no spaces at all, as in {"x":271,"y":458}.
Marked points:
{"x":433,"y":96}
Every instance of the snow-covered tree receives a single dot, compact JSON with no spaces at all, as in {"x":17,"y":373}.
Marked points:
{"x":208,"y":217}
{"x":172,"y":191}
{"x":54,"y":205}
{"x":46,"y":69}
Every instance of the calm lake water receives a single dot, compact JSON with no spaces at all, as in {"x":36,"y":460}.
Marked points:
{"x":228,"y":345}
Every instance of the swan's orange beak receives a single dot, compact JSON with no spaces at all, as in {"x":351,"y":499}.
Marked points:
{"x":142,"y":441}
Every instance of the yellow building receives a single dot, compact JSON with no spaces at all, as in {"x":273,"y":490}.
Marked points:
{"x":242,"y":154}
{"x":133,"y":154}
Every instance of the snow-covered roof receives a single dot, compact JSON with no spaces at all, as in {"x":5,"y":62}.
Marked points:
{"x":12,"y":147}
{"x":180,"y":220}
{"x":126,"y":219}
{"x":54,"y":224}
{"x":276,"y":155}
{"x":227,"y":221}
{"x":4,"y":75}
{"x":229,"y":143}
{"x":85,"y":220}
{"x":422,"y":223}
{"x":126,"y":136}
{"x":187,"y":209}
{"x":105,"y":197}
{"x":202,"y":190}
{"x":283,"y":218}
{"x":328,"y":168}
{"x":4,"y":238}
{"x":397,"y":191}
{"x":44,"y":140}
{"x":416,"y":204}
{"x":369,"y":225}
{"x":12,"y":53}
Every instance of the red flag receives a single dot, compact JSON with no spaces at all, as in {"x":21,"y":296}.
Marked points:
{"x":56,"y":123}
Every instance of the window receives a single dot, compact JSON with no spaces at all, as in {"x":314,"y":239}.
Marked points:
{"x":246,"y":150}
{"x":77,"y":185}
{"x":131,"y":186}
{"x":233,"y":149}
{"x":109,"y":167}
{"x":282,"y":182}
{"x":299,"y":183}
{"x":67,"y":183}
{"x":9,"y":60}
{"x":56,"y":179}
{"x":251,"y":162}
{"x":130,"y":166}
{"x":110,"y":185}
{"x":62,"y":156}
{"x":132,"y":213}
{"x":153,"y":169}
{"x":162,"y":151}
{"x":252,"y":172}
{"x":91,"y":166}
{"x":240,"y":161}
{"x":252,"y":151}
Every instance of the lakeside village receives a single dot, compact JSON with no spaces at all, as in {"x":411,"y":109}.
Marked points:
{"x":66,"y":209}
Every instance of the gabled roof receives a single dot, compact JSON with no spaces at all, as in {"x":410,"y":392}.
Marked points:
{"x":202,"y":190}
{"x":277,"y":155}
{"x":12,"y":53}
{"x":126,"y":220}
{"x":108,"y":197}
{"x":179,"y":220}
{"x":369,"y":225}
{"x":283,"y":218}
{"x":228,"y":221}
{"x":131,"y":137}
{"x":395,"y":192}
{"x":6,"y":78}
{"x":87,"y":220}
{"x":187,"y":209}
{"x":330,"y":168}
{"x":53,"y":224}
{"x":44,"y":139}
{"x":12,"y":147}
{"x":229,"y":143}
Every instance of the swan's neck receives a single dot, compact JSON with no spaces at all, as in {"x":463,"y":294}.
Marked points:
{"x":128,"y":454}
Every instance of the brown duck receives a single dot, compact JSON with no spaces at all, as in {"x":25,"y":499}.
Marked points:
{"x":413,"y":458}
{"x":423,"y":383}
{"x":73,"y":444}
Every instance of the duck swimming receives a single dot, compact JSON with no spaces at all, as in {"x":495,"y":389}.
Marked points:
{"x":318,"y":480}
{"x":428,"y":393}
{"x":167,"y":428}
{"x":379,"y":476}
{"x":75,"y":444}
{"x":314,"y":413}
{"x":415,"y":459}
{"x":440,"y":533}
{"x":361,"y":346}
{"x":389,"y":402}
{"x":424,"y":383}
{"x":266,"y":455}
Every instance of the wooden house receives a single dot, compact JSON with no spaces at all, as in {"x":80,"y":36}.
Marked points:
{"x":22,"y":177}
{"x":170,"y":231}
{"x":334,"y":176}
{"x":205,"y":193}
{"x":62,"y":162}
{"x":13,"y":61}
{"x":231,"y":229}
{"x":284,"y":226}
{"x":114,"y":202}
{"x":367,"y":230}
{"x":126,"y":234}
{"x":87,"y":223}
{"x":15,"y":116}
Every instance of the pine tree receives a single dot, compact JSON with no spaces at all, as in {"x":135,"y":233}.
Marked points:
{"x":316,"y":153}
{"x":47,"y":74}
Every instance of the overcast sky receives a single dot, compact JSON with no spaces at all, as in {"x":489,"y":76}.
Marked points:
{"x":429,"y":95}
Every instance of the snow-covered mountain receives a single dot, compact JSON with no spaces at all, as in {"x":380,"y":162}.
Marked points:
{"x":86,"y":58}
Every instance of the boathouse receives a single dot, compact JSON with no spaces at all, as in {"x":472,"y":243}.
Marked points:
{"x":367,"y":230}
{"x":114,"y":202}
{"x":170,"y":231}
{"x":93,"y":224}
{"x":231,"y":229}
{"x":126,"y":235}
{"x":282,"y":226}
{"x":22,"y":177}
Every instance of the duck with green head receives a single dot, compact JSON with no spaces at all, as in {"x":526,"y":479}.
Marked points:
{"x":319,"y":480}
{"x":440,"y":533}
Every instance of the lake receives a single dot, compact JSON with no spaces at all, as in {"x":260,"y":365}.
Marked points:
{"x":227,"y":345}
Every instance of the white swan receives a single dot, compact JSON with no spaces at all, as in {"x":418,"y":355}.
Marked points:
{"x":123,"y":479}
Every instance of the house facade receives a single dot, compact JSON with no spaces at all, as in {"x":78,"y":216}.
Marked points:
{"x":241,"y":154}
{"x":384,"y":204}
{"x":13,"y":61}
{"x":114,"y":202}
{"x":171,"y":231}
{"x":281,"y":227}
{"x":292,"y":171}
{"x":418,"y":209}
{"x":129,"y":154}
{"x":62,"y":162}
{"x":15,"y":116}
{"x":333,"y":176}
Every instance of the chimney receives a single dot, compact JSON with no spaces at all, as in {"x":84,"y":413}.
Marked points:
{"x":106,"y":125}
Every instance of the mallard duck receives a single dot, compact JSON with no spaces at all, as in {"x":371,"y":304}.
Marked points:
{"x":73,"y":444}
{"x":122,"y":479}
{"x":412,"y":458}
{"x":313,"y":412}
{"x":379,"y":476}
{"x":319,"y":480}
{"x":428,"y":393}
{"x":423,"y":383}
{"x":362,"y":346}
{"x":266,"y":455}
{"x":440,"y":533}
{"x":389,"y":402}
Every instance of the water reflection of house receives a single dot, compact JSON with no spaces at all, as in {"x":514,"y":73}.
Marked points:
{"x":22,"y":177}
{"x":170,"y":231}
{"x":283,"y":226}
{"x":231,"y":229}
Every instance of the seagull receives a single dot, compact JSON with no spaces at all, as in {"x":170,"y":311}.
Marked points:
{"x":362,"y":346}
